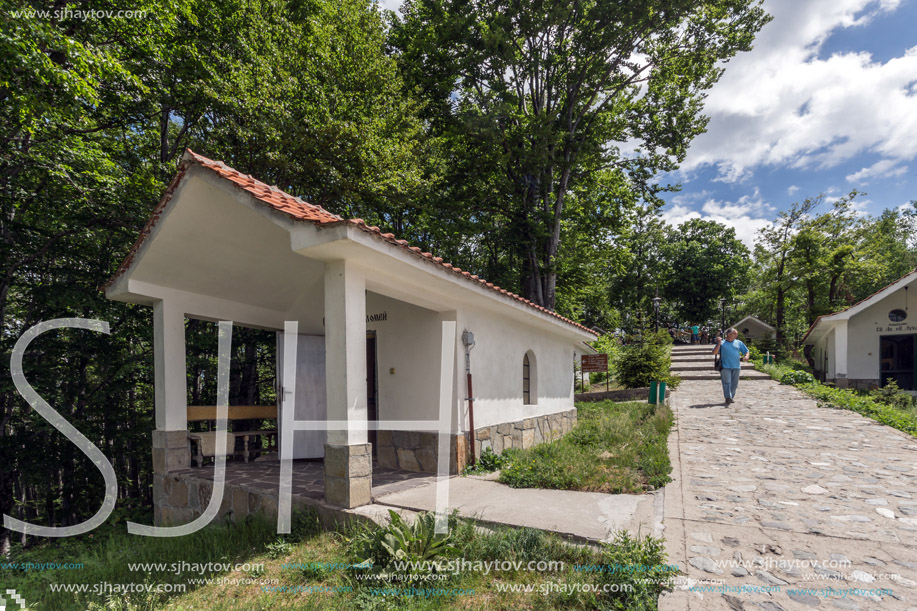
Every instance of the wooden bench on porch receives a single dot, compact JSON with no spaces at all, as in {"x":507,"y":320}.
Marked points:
{"x":203,"y":444}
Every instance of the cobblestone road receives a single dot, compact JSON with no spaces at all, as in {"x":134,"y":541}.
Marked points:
{"x":777,"y":503}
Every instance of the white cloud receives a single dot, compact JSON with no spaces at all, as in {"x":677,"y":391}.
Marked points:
{"x":782,"y":104}
{"x":730,"y":173}
{"x":860,"y":207}
{"x":746,"y":215}
{"x":392,"y":5}
{"x":886,"y":168}
{"x":792,"y":189}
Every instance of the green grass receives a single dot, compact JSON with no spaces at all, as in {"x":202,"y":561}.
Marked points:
{"x":105,"y":557}
{"x":614,"y":447}
{"x":902,"y":418}
{"x":106,"y":553}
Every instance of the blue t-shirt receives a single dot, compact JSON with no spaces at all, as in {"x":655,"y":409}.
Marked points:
{"x":731,"y":352}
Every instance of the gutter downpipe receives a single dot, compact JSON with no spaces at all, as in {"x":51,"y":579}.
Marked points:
{"x":468,"y":342}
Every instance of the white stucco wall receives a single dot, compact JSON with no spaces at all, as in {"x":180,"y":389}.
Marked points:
{"x":496,"y":367}
{"x":866,"y":327}
{"x":756,"y":330}
{"x":408,"y":341}
{"x":216,"y":255}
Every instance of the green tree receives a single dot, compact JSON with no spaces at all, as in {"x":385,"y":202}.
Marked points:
{"x":532,"y":96}
{"x":773,"y":251}
{"x":641,"y":270}
{"x":94,"y":114}
{"x":705,"y":263}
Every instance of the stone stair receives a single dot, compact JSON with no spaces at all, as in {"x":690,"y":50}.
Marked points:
{"x":696,"y":363}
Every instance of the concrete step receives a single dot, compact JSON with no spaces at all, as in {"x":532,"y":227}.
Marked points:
{"x":716,"y":376}
{"x":680,"y":367}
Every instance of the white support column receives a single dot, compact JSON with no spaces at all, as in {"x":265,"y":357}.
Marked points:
{"x":840,"y":350}
{"x":452,"y":436}
{"x":171,"y":382}
{"x":170,"y":439}
{"x":348,"y":457}
{"x":345,"y":349}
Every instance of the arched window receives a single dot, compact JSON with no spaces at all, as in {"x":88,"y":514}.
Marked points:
{"x":529,"y":387}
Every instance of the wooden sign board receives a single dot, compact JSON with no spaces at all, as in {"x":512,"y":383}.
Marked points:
{"x":595,"y":363}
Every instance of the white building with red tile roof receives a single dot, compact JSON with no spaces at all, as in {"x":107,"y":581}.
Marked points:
{"x":871,"y":342}
{"x":223,"y":246}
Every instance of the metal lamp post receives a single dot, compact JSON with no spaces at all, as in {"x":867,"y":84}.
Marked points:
{"x":723,"y":323}
{"x":656,"y":301}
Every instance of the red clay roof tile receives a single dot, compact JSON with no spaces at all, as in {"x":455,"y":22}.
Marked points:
{"x":302,"y":211}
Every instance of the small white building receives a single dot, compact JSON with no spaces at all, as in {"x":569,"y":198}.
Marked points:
{"x":224,"y":246}
{"x":870,"y":342}
{"x":753,"y":329}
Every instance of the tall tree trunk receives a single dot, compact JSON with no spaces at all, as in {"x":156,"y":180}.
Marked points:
{"x":781,"y":305}
{"x":832,"y":291}
{"x":164,"y":134}
{"x":6,"y":473}
{"x":810,"y":302}
{"x":250,"y":370}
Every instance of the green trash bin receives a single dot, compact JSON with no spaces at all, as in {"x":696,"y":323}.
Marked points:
{"x":661,"y":392}
{"x":653,"y":390}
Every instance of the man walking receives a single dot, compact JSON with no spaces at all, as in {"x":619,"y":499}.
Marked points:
{"x":731,"y":353}
{"x":695,"y":330}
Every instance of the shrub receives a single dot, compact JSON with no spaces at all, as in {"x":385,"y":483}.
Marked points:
{"x":640,"y":562}
{"x":770,"y":345}
{"x":639,"y":364}
{"x":488,"y":462}
{"x":868,"y":406}
{"x":891,"y":395}
{"x":662,"y":338}
{"x":797,"y":377}
{"x":903,"y":419}
{"x":400,"y":541}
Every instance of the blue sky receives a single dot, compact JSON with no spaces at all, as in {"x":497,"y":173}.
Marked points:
{"x":826,"y":102}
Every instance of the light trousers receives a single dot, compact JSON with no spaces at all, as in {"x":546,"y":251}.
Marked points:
{"x":730,"y":379}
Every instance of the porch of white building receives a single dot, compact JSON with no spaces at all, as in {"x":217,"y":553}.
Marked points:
{"x":373,"y":343}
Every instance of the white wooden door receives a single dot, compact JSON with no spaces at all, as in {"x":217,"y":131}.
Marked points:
{"x":309,"y":401}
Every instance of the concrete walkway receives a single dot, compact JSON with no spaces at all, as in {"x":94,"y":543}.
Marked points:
{"x":583,"y":516}
{"x":774,"y":492}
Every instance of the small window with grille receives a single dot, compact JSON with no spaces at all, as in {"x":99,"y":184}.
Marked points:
{"x":529,"y":387}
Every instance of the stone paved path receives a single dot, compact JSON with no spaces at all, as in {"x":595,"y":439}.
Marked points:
{"x":775,"y":492}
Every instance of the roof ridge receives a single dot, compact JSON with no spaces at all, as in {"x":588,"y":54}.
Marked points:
{"x":301,"y":210}
{"x":853,"y":305}
{"x":207,"y":162}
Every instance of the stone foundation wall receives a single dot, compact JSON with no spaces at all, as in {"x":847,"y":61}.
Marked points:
{"x":524,"y":434}
{"x":863,"y":384}
{"x":855,"y":383}
{"x":418,"y":451}
{"x":627,"y":394}
{"x":179,"y":499}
